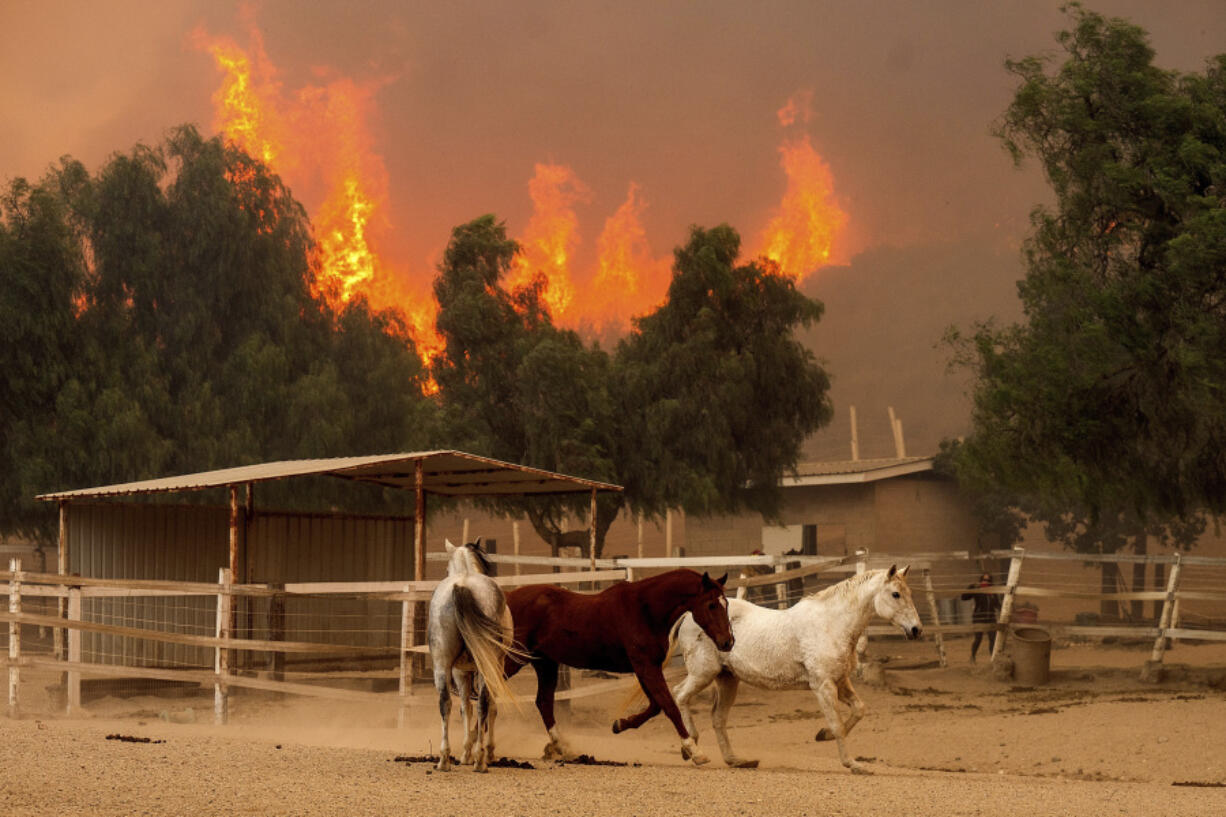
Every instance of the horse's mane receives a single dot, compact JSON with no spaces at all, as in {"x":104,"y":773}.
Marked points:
{"x":480,"y":555}
{"x":845,"y":587}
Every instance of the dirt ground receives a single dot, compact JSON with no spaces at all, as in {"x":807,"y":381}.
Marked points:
{"x":952,"y":741}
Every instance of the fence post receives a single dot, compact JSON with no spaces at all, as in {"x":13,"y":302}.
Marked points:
{"x":936,"y":616}
{"x":742,"y":590}
{"x":862,"y":643}
{"x":221,"y":660}
{"x":276,"y":631}
{"x":515,"y":538}
{"x":406,"y":660}
{"x":74,"y":651}
{"x":14,"y":636}
{"x":1006,"y":604}
{"x":781,"y":589}
{"x":1165,"y":621}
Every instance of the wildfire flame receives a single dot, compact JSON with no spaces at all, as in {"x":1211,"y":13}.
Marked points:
{"x":551,"y":236}
{"x":317,"y":139}
{"x":803,"y":233}
{"x":629,"y":279}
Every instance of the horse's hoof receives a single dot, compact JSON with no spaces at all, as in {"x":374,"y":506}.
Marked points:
{"x":481,"y":769}
{"x":737,"y":763}
{"x":552,"y":751}
{"x":442,"y":766}
{"x":858,"y":769}
{"x":824,"y":734}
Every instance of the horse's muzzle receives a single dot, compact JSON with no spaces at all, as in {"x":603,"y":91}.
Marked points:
{"x":913,"y":632}
{"x":727,"y":645}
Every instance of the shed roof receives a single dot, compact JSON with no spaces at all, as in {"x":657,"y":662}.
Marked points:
{"x":845,"y":472}
{"x":450,"y":473}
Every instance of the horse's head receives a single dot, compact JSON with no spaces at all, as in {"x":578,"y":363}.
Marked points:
{"x":893,"y":602}
{"x":710,"y":611}
{"x":468,"y":558}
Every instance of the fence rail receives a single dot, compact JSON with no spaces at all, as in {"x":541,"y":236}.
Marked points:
{"x":226,"y":630}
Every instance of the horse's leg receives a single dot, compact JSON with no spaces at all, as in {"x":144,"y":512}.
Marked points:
{"x":489,"y":729}
{"x":847,"y":694}
{"x":827,"y":693}
{"x":726,"y":686}
{"x":464,"y":690}
{"x":639,"y":718}
{"x":651,"y":677}
{"x":483,"y":725}
{"x":546,"y":686}
{"x":444,"y":710}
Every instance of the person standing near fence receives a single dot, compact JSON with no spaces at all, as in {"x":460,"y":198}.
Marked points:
{"x":987,"y":611}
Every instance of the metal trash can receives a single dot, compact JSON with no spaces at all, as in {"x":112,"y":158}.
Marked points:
{"x":1031,"y":656}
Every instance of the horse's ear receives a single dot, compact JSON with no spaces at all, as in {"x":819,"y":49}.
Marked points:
{"x":722,"y":580}
{"x":903,"y":572}
{"x":477,"y":543}
{"x":893,"y":570}
{"x":706,"y":580}
{"x":450,"y":547}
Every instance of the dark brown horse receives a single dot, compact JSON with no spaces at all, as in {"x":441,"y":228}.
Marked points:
{"x":622,"y":629}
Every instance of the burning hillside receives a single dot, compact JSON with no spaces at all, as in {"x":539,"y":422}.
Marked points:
{"x":318,"y":139}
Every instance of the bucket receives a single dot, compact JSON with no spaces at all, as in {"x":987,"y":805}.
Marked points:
{"x":1031,"y":656}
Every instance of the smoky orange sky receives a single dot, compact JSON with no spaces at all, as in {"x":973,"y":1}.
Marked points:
{"x":674,"y":106}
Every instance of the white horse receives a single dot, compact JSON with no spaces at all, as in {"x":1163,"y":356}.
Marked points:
{"x":811,"y":644}
{"x":469,"y":632}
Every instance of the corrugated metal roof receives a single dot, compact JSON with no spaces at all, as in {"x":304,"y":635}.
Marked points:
{"x":852,"y":471}
{"x":451,"y":473}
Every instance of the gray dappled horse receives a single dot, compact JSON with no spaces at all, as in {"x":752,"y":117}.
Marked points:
{"x":469,"y":633}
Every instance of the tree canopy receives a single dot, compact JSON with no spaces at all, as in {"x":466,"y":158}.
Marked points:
{"x":158,"y":318}
{"x":702,"y":407}
{"x":1108,"y":401}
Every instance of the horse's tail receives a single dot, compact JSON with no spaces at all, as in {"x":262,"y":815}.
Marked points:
{"x":486,"y":641}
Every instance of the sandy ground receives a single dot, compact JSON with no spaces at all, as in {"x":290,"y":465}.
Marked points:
{"x":952,"y":741}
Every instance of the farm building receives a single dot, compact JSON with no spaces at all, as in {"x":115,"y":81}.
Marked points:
{"x":106,"y":533}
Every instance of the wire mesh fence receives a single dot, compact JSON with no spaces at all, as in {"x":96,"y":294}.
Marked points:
{"x":82,"y":639}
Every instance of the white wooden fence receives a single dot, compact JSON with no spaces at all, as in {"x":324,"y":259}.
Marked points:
{"x":935,"y":577}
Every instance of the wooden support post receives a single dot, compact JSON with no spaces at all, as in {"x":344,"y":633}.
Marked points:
{"x":221,"y":655}
{"x":61,"y":558}
{"x":419,"y":554}
{"x":855,"y":434}
{"x":73,"y":679}
{"x":1006,"y":604}
{"x":1166,"y":620}
{"x":464,"y":540}
{"x":14,"y":637}
{"x":515,"y":538}
{"x":407,"y":608}
{"x":937,"y":630}
{"x":591,"y":539}
{"x":781,"y":589}
{"x":742,"y":590}
{"x":640,"y":537}
{"x":668,"y":533}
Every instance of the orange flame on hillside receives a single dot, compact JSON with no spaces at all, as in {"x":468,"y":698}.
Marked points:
{"x":318,"y":141}
{"x":805,"y":230}
{"x":629,"y":279}
{"x":551,"y":236}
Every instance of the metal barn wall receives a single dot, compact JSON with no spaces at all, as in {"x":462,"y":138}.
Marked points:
{"x":285,"y":547}
{"x":190,"y":543}
{"x":165,"y":542}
